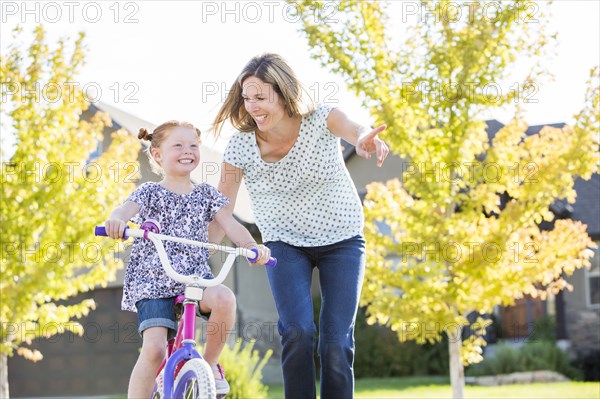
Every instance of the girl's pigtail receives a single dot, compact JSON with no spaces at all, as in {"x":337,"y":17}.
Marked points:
{"x":144,"y":135}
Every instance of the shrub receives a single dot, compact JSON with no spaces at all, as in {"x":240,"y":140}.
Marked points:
{"x":243,"y":367}
{"x":505,"y":360}
{"x":380,"y":354}
{"x":540,"y":355}
{"x":545,"y":329}
{"x":589,"y":364}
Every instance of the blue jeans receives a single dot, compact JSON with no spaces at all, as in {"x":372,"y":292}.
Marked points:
{"x":341,"y":271}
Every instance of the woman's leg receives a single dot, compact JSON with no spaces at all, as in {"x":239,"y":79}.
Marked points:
{"x":219,"y":301}
{"x":152,"y":354}
{"x":341,"y":271}
{"x":290,"y":284}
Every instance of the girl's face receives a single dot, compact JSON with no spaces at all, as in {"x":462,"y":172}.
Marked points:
{"x":179,"y":152}
{"x":263,"y":104}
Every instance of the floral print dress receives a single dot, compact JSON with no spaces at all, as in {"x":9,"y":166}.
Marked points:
{"x":179,"y":215}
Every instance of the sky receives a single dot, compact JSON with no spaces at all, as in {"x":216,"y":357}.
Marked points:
{"x":162,"y":60}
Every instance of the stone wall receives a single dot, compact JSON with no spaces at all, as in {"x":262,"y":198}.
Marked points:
{"x":584,"y":331}
{"x":526,"y":377}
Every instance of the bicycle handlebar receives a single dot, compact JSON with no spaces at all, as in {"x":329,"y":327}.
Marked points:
{"x":100,"y":231}
{"x":250,"y":254}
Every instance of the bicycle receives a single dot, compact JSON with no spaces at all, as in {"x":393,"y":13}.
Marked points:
{"x":184,"y":373}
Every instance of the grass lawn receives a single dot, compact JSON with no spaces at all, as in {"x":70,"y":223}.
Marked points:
{"x":439,"y":387}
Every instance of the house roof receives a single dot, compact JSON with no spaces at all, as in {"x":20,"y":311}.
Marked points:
{"x":122,"y":119}
{"x":535,"y":129}
{"x":492,"y":127}
{"x":586,"y":208}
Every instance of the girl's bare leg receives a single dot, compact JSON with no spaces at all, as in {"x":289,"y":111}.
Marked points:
{"x":152,"y":354}
{"x":220,"y":302}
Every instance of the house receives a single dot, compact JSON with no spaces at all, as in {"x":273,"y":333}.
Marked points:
{"x":580,"y":318}
{"x":577,"y":313}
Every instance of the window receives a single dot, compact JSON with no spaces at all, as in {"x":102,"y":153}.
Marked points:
{"x":593,"y":280}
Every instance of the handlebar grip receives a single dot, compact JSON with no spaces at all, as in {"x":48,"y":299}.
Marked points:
{"x":272,"y":262}
{"x":101,"y":231}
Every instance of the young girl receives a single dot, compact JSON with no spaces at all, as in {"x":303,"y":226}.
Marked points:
{"x":183,"y":209}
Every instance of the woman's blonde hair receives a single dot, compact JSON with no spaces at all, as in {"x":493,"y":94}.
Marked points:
{"x":157,"y":136}
{"x":271,"y":69}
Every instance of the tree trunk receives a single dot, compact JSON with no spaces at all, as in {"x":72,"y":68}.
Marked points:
{"x":457,"y":370}
{"x":3,"y":376}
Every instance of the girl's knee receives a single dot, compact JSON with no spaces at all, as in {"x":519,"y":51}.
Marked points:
{"x":222,"y":298}
{"x":154,"y":346}
{"x":154,"y":352}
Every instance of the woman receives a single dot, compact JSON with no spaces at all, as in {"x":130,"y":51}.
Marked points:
{"x":308,"y":212}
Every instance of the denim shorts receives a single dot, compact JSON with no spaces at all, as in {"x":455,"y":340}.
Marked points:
{"x":157,"y":313}
{"x":160,"y":313}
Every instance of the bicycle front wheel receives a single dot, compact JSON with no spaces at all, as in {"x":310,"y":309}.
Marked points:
{"x":195,"y":381}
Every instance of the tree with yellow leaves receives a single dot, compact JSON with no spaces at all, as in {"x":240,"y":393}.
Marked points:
{"x":53,"y":193}
{"x":464,"y":214}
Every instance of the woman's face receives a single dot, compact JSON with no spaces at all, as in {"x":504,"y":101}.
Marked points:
{"x":263,"y":104}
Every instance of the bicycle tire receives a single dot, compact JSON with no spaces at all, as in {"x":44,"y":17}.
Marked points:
{"x":157,"y":392}
{"x":195,"y":381}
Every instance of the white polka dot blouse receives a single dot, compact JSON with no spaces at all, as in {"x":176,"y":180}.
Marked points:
{"x":307,"y":198}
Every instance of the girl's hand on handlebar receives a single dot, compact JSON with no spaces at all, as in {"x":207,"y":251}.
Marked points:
{"x":115,"y":228}
{"x":264,"y":254}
